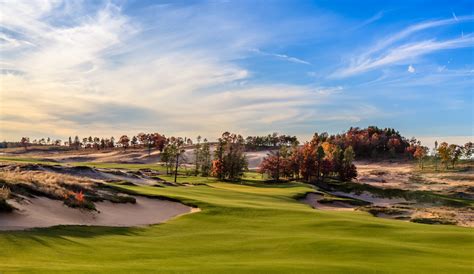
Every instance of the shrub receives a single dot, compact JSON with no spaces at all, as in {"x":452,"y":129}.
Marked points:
{"x":4,"y":192}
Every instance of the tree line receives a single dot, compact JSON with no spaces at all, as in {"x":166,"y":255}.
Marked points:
{"x":446,"y":154}
{"x":143,"y":140}
{"x":269,"y":141}
{"x":324,"y":156}
{"x":313,"y":161}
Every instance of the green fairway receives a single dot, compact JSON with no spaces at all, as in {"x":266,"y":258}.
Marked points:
{"x":244,"y":228}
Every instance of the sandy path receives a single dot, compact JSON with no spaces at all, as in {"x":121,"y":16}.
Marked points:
{"x":44,"y":212}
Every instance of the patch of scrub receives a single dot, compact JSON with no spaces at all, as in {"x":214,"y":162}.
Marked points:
{"x":44,"y":212}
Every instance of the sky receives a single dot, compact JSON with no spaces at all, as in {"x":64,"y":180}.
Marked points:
{"x":188,"y":68}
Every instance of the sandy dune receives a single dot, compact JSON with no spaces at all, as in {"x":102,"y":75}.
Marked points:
{"x":131,"y":155}
{"x":403,"y":176}
{"x":83,"y":172}
{"x":386,"y":175}
{"x":254,"y":158}
{"x":44,"y":212}
{"x":108,"y":156}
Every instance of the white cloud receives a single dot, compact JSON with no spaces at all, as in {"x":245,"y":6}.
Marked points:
{"x":455,"y":17}
{"x":105,"y":73}
{"x":411,"y":69}
{"x":371,"y":20}
{"x":282,"y":56}
{"x":393,"y":50}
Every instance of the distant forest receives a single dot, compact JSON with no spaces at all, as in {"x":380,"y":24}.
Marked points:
{"x":324,"y":155}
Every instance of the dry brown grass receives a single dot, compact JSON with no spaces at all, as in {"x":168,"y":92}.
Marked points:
{"x":4,"y":193}
{"x":51,"y":184}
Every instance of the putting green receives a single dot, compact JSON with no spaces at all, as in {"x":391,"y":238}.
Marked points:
{"x":244,"y":228}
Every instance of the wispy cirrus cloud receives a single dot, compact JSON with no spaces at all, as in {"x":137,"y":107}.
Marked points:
{"x":374,"y":18}
{"x":395,"y":48}
{"x":281,"y":56}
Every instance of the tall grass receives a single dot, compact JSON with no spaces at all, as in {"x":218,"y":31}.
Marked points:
{"x":4,"y":193}
{"x":50,"y":184}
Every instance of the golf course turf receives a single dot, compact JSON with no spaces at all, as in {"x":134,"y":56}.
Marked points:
{"x":253,"y":227}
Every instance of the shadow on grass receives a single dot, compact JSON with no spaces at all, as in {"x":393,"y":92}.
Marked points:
{"x":267,"y":183}
{"x":64,"y":233}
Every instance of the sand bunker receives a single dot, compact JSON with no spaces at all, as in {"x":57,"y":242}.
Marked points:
{"x":44,"y":212}
{"x":83,"y":172}
{"x":313,"y":199}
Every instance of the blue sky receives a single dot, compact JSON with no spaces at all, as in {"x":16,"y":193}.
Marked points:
{"x":253,"y":67}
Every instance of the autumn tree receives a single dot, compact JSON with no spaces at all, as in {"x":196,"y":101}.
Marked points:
{"x":124,"y":141}
{"x":271,"y":166}
{"x":276,"y":165}
{"x":445,"y":153}
{"x":456,"y":153}
{"x":420,"y":154}
{"x":315,"y":161}
{"x":150,"y":140}
{"x":308,"y":161}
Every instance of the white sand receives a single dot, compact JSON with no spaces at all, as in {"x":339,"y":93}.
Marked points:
{"x":313,"y":198}
{"x":44,"y":212}
{"x":402,"y":176}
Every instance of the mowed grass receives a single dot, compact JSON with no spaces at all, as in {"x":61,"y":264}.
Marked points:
{"x":244,"y":228}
